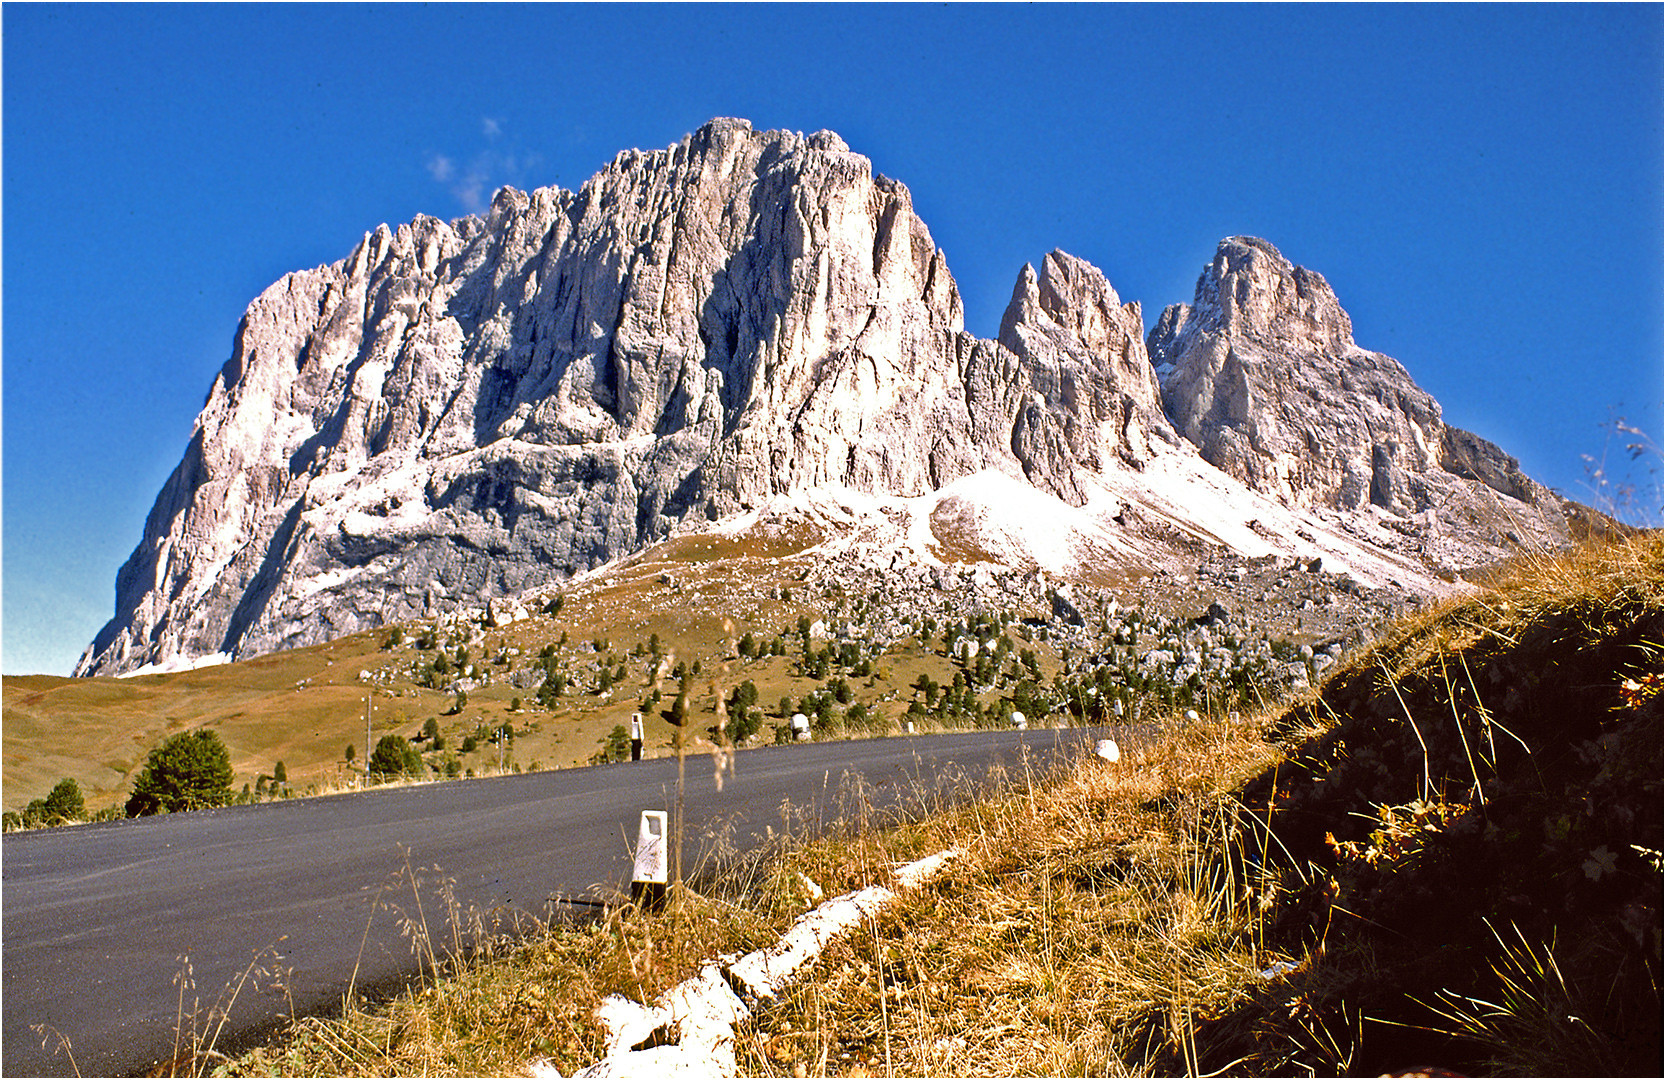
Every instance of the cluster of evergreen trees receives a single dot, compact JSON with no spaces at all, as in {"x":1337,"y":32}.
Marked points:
{"x":63,"y":805}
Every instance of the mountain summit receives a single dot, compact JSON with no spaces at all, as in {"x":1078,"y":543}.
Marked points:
{"x":482,"y":408}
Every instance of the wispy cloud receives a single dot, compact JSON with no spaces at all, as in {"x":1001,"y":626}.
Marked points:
{"x":498,"y":163}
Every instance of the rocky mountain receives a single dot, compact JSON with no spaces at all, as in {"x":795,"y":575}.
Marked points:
{"x":1261,"y":372}
{"x":756,"y":322}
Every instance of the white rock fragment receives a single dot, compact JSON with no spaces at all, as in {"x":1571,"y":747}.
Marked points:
{"x":690,"y":1029}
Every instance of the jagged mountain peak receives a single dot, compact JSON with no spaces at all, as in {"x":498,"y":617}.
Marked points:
{"x":1262,"y":374}
{"x":464,"y":410}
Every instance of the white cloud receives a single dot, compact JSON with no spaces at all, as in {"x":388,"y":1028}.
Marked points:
{"x":470,"y":190}
{"x":474,"y":184}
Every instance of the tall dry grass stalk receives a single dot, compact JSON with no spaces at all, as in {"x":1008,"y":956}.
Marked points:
{"x":1094,"y":918}
{"x":1107,"y":919}
{"x":1097,"y":915}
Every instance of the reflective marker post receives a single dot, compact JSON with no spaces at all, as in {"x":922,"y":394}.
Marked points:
{"x":636,"y":736}
{"x":648,"y":876}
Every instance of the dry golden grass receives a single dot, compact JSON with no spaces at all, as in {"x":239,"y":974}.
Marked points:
{"x":697,"y":594}
{"x":1090,"y":921}
{"x":1120,"y":919}
{"x":1093,"y":919}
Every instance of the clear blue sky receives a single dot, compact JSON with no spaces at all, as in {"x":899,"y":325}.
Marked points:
{"x":1481,"y":185}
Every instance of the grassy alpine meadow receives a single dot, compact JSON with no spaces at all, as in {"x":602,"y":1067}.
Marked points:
{"x":1448,"y":856}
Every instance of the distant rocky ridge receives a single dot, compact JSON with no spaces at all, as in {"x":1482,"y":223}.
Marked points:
{"x":1261,"y":372}
{"x":481,"y":408}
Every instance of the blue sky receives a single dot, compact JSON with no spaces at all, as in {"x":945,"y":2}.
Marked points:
{"x":1481,"y":185}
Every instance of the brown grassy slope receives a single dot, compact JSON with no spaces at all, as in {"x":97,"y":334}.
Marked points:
{"x":698,"y":594}
{"x":1483,"y":810}
{"x":296,"y":707}
{"x":1142,"y":919}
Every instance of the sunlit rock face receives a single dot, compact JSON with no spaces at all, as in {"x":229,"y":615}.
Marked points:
{"x":1262,"y":374}
{"x":461,"y":411}
{"x":467,"y":409}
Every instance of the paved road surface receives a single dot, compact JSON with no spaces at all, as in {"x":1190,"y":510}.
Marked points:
{"x":98,"y":919}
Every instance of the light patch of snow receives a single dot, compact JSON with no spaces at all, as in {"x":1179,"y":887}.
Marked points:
{"x":178,"y":663}
{"x":767,"y":971}
{"x":329,"y":579}
{"x":1195,"y":498}
{"x":920,"y":871}
{"x":1023,"y":526}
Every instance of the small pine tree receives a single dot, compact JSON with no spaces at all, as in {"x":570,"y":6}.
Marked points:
{"x":280,"y":774}
{"x":64,"y":803}
{"x":616,"y":747}
{"x":394,"y":756}
{"x":188,"y":771}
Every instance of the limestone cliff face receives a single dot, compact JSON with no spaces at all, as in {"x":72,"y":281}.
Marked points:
{"x":471,"y":409}
{"x":1261,"y":372}
{"x":1094,"y":392}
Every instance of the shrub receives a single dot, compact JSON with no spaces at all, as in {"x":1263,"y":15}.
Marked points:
{"x":61,"y":807}
{"x":394,"y":756}
{"x":189,"y":771}
{"x":551,"y":690}
{"x":64,"y":802}
{"x":616,"y":747}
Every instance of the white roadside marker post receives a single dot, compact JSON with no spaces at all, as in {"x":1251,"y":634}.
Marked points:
{"x":648,"y":876}
{"x":636,"y":736}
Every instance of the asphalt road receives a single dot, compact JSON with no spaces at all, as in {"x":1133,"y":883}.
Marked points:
{"x":104,"y":923}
